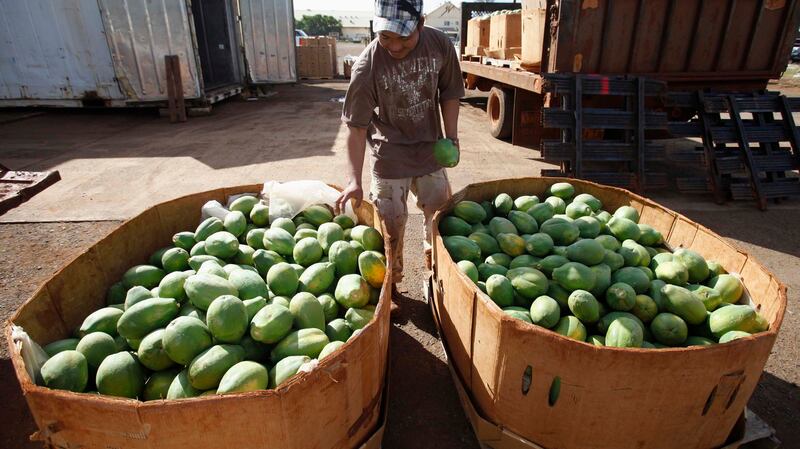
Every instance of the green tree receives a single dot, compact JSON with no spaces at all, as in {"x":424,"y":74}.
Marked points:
{"x":319,"y":25}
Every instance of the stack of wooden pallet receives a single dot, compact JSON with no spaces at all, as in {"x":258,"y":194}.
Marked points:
{"x":316,"y":57}
{"x":603,"y":121}
{"x":750,"y":145}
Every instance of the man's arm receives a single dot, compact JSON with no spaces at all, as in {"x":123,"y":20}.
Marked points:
{"x":451,"y":89}
{"x":356,"y":147}
{"x":450,"y":118}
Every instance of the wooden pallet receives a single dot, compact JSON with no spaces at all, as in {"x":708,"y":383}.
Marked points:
{"x":620,"y":160}
{"x":474,"y":51}
{"x":686,"y":163}
{"x":507,"y":63}
{"x":508,"y":53}
{"x":16,"y":187}
{"x":749,"y":154}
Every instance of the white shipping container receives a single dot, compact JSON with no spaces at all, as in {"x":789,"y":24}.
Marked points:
{"x":54,"y":51}
{"x":269,"y":42}
{"x":111,"y":52}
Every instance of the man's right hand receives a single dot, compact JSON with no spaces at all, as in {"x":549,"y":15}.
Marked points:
{"x":352,"y":191}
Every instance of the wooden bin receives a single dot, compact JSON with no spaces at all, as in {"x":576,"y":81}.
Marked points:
{"x":534,"y":20}
{"x":337,"y":405}
{"x":477,"y":36}
{"x":609,"y":397}
{"x":505,"y":36}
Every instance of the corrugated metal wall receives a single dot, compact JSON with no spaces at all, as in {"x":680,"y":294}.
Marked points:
{"x":140,"y":34}
{"x":54,"y":50}
{"x":268,"y":35}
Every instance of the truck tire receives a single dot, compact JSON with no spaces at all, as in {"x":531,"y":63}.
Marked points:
{"x":500,"y":110}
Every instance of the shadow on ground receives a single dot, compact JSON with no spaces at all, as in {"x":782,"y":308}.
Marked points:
{"x":777,"y":402}
{"x":416,"y":312}
{"x":17,"y":421}
{"x":424,"y":410}
{"x":476,"y":102}
{"x":423,"y":400}
{"x":287,"y":125}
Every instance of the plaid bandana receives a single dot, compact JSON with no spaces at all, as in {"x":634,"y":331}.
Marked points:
{"x":397,"y":16}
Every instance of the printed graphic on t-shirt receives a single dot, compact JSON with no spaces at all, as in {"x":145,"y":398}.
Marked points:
{"x":410,"y":85}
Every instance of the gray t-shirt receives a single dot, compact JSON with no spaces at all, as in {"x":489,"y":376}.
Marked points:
{"x":398,"y":101}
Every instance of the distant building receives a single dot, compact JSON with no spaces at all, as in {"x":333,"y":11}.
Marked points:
{"x":355,"y":24}
{"x":446,"y":18}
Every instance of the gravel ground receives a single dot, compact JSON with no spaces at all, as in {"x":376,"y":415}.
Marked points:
{"x":418,"y":367}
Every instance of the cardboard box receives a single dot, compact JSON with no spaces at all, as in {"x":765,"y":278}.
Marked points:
{"x":477,"y":36}
{"x":748,"y":428}
{"x":306,"y":58}
{"x":330,"y":44}
{"x":314,"y":62}
{"x":534,"y":21}
{"x":505,"y":36}
{"x":607,"y":397}
{"x":314,"y":70}
{"x":322,"y":50}
{"x":337,"y":405}
{"x":326,"y":62}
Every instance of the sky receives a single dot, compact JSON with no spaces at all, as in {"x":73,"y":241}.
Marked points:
{"x":357,"y":5}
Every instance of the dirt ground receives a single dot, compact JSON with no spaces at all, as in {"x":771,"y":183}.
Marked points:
{"x":115,"y":164}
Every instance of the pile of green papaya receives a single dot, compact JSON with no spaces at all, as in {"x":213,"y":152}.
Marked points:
{"x":239,"y":304}
{"x":567,"y":265}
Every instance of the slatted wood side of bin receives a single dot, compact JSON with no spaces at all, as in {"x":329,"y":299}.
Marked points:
{"x":609,"y":397}
{"x":336,"y":405}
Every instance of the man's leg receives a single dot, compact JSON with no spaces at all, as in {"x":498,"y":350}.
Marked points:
{"x":431,"y":192}
{"x":389,"y":196}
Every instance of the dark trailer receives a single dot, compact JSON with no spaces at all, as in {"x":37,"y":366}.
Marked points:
{"x":730,"y":45}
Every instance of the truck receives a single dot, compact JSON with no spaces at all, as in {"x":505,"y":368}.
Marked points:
{"x":691,"y":45}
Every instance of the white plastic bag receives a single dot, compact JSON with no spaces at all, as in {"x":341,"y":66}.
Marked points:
{"x":32,"y":354}
{"x":309,"y":366}
{"x":213,"y":209}
{"x":287,"y":199}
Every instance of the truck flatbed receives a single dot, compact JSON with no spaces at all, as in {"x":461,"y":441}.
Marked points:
{"x":529,"y":81}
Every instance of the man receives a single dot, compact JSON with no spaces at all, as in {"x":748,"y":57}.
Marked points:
{"x":398,"y":86}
